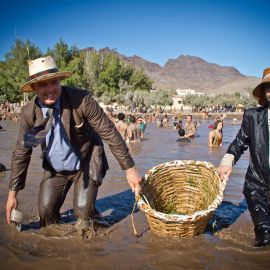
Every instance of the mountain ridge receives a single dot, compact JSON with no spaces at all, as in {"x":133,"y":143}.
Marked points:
{"x":192,"y":72}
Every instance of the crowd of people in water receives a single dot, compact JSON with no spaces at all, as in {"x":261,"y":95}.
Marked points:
{"x":10,"y":111}
{"x":132,"y":128}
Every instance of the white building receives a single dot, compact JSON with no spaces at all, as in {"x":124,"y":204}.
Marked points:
{"x":187,"y":92}
{"x":181,"y":94}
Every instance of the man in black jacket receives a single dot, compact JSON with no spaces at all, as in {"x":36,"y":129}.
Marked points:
{"x":254,"y":134}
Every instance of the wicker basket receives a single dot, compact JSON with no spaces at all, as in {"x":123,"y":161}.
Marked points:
{"x":180,"y":197}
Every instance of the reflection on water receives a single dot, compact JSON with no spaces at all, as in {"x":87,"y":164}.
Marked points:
{"x":226,"y":244}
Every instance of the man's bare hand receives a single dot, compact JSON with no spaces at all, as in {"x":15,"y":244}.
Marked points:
{"x":225,"y":172}
{"x":11,"y":204}
{"x":134,"y":178}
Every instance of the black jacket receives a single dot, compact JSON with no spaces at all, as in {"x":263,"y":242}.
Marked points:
{"x":254,"y":135}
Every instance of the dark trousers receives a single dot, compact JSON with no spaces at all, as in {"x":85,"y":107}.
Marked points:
{"x":53,"y":192}
{"x":258,"y":202}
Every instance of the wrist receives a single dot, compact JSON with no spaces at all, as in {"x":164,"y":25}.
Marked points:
{"x":227,"y":160}
{"x":130,"y":169}
{"x":12,"y":193}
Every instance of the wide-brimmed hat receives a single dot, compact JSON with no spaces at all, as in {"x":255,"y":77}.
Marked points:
{"x":258,"y":92}
{"x":42,"y":69}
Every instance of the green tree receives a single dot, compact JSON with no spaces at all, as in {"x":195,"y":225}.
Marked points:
{"x":93,"y":67}
{"x":70,"y":59}
{"x":140,"y":82}
{"x":225,"y":100}
{"x":14,"y":70}
{"x":77,"y":66}
{"x":108,"y":75}
{"x":162,"y":98}
{"x":62,"y":54}
{"x":129,"y":99}
{"x":103,"y":72}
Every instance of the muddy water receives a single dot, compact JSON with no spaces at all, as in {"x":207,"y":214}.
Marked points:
{"x":226,"y":244}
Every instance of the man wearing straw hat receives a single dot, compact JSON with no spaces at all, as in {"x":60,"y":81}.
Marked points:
{"x":68,"y":123}
{"x":254,"y":134}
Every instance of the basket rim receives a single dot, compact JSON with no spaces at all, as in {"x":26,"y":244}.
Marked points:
{"x":145,"y":207}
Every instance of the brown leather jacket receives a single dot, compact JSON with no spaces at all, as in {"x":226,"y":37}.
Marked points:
{"x":82,"y":119}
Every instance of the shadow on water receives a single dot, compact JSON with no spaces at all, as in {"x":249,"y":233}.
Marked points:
{"x":116,"y":208}
{"x":225,"y":215}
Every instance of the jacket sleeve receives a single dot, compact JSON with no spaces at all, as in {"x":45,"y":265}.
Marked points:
{"x":20,"y":158}
{"x":107,"y":131}
{"x":242,"y":140}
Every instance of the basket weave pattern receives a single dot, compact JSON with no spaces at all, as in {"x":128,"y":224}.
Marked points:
{"x":180,"y":197}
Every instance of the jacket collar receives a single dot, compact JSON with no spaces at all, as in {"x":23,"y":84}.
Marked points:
{"x":264,"y":139}
{"x":263,"y":123}
{"x":38,"y":115}
{"x":263,"y":115}
{"x":65,"y":111}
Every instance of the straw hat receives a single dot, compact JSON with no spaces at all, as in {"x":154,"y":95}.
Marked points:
{"x":42,"y":69}
{"x":258,"y":92}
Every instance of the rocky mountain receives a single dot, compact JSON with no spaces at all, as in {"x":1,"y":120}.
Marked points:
{"x":194,"y":73}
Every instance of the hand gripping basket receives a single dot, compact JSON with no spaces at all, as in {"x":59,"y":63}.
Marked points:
{"x":180,"y":197}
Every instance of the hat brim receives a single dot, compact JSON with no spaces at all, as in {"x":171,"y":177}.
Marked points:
{"x":27,"y":87}
{"x":258,"y":92}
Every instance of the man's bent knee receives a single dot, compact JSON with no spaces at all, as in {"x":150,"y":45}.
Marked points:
{"x":48,"y":216}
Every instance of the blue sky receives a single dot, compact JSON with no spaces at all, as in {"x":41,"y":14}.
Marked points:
{"x":228,"y":33}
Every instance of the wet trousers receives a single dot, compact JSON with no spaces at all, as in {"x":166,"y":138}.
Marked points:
{"x":53,"y":191}
{"x":258,"y":202}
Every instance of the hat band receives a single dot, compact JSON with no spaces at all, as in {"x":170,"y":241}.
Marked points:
{"x":34,"y":76}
